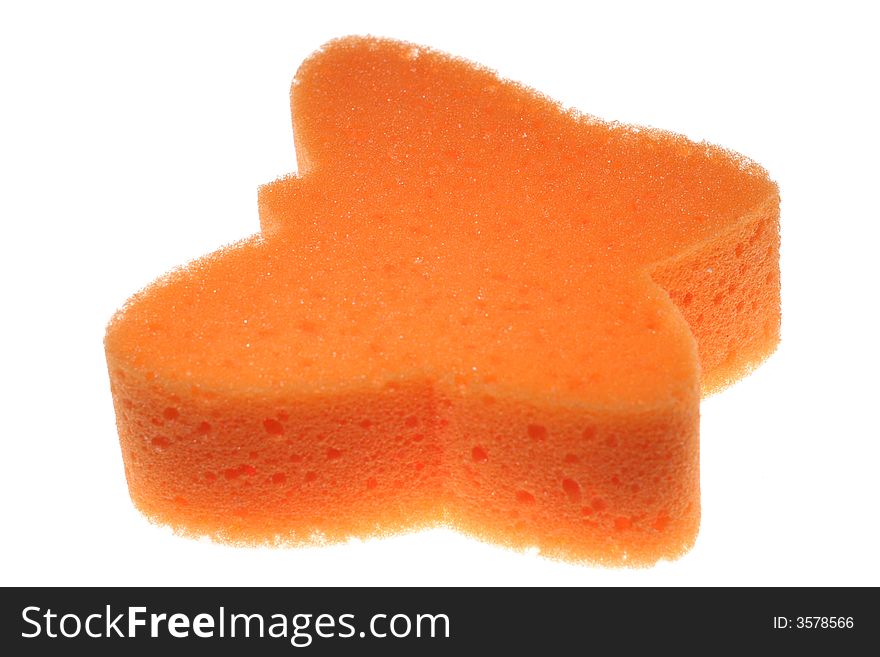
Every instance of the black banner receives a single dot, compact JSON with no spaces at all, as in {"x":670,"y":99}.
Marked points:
{"x":279,"y":621}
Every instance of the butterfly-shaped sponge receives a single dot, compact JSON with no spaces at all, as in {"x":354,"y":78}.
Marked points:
{"x":470,"y":307}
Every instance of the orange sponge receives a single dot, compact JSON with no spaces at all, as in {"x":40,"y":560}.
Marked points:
{"x":470,"y":307}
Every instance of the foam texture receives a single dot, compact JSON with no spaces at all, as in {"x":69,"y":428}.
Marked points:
{"x":470,"y":307}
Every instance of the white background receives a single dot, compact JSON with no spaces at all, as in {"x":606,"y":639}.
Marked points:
{"x":132,"y":139}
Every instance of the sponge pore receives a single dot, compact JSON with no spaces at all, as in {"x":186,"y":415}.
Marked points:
{"x":469,"y":307}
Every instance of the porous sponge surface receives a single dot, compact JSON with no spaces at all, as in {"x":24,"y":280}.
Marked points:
{"x":469,"y":307}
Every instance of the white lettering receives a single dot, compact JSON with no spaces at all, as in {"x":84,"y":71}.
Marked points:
{"x":24,"y":616}
{"x":77,"y":624}
{"x":112,"y":625}
{"x":203,"y":626}
{"x":134,"y":621}
{"x":178,"y":626}
{"x":89,"y":626}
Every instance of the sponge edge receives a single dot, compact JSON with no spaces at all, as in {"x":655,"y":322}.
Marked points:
{"x":612,"y":487}
{"x":728,"y":290}
{"x":254,"y":406}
